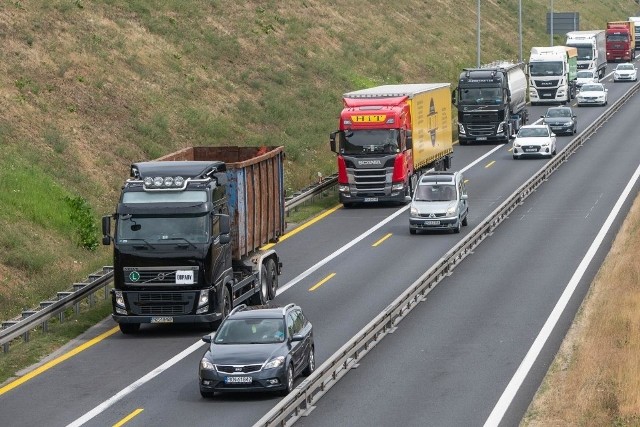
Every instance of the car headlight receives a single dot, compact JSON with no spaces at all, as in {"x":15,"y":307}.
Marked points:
{"x":206,"y":365}
{"x":451,"y":210}
{"x":276,"y":362}
{"x":414,"y":210}
{"x":516,"y":144}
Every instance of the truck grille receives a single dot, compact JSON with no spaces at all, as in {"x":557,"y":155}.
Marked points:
{"x":476,"y":129}
{"x":546,"y":83}
{"x":161,"y":303}
{"x":547,"y":93}
{"x":155,"y":275}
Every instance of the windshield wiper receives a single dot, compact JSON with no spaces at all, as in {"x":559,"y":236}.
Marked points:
{"x":181,"y":238}
{"x":142,"y":240}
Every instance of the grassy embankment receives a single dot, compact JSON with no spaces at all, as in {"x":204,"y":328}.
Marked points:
{"x":88,"y":87}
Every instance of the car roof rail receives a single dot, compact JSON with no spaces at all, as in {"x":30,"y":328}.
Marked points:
{"x":241,"y":307}
{"x":287,"y":307}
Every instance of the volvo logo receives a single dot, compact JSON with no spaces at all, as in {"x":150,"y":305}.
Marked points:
{"x":161,"y":276}
{"x":369,"y":162}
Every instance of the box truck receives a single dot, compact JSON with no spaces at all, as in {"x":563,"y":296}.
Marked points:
{"x":592,"y":51}
{"x":387,"y":136}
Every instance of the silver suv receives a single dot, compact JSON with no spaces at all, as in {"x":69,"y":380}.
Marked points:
{"x":439,"y":202}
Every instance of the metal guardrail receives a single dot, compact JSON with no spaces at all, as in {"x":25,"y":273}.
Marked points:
{"x":300,"y":402}
{"x":31,"y":319}
{"x":309,"y":192}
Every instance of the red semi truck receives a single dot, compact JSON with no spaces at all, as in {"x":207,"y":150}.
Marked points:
{"x":621,"y":41}
{"x":388,"y":135}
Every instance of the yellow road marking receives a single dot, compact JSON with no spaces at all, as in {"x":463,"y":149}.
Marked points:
{"x":381,"y":240}
{"x":57,"y":361}
{"x":302,"y":227}
{"x":490,"y":164}
{"x":466,"y":180}
{"x":128,"y":418}
{"x":510,"y":149}
{"x":322,"y":282}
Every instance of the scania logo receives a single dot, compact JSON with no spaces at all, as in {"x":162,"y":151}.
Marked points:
{"x":134,"y":276}
{"x":369,"y":162}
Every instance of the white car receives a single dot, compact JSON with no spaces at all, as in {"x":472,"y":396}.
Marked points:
{"x":625,"y":72}
{"x":586,"y":76}
{"x":592,"y":94}
{"x":534,"y":141}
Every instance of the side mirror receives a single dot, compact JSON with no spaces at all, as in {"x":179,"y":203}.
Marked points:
{"x":454,"y":97}
{"x":106,"y":230}
{"x":225,"y":228}
{"x":297,"y":337}
{"x":409,"y":140}
{"x":208,"y":338}
{"x":542,"y":117}
{"x":464,"y":197}
{"x":332,"y":141}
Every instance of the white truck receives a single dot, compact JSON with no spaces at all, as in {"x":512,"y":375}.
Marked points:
{"x":636,"y":23}
{"x":552,"y":74}
{"x":592,"y":50}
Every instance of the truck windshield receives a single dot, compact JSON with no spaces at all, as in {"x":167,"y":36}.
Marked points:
{"x":369,"y":141}
{"x":545,"y":69}
{"x":585,"y":52}
{"x":480,"y":96}
{"x":163,"y":229}
{"x":617,"y":38}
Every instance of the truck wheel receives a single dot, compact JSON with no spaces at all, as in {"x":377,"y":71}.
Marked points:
{"x":129,"y":328}
{"x":272,"y":277}
{"x":262,"y":296}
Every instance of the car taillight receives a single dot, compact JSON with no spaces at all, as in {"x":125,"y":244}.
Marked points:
{"x":342,"y":171}
{"x":399,"y":169}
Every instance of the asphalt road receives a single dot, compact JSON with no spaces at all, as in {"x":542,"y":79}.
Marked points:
{"x":156,"y":371}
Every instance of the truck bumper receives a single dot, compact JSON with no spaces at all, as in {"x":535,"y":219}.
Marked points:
{"x":398,"y":197}
{"x":190,"y":318}
{"x":502,"y":139}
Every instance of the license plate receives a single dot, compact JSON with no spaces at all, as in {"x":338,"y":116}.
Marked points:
{"x":432,"y":223}
{"x":370,"y":199}
{"x":481,"y":138}
{"x":238,"y":380}
{"x":184,"y":277}
{"x":162,"y":319}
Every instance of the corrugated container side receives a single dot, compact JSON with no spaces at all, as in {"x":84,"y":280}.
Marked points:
{"x":431,"y":123}
{"x":255,"y":189}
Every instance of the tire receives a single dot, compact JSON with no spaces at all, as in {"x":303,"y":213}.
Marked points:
{"x":515,"y":157}
{"x":465,"y":221}
{"x":207,"y":394}
{"x":458,"y":228}
{"x":289,"y":380}
{"x":226,"y":302}
{"x":272,"y":278}
{"x":311,"y":366}
{"x":129,"y":328}
{"x":412,"y":231}
{"x":347,"y":205}
{"x":261,"y":297}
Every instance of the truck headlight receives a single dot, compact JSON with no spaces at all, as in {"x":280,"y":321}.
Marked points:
{"x":461,"y":130}
{"x":397,"y":187}
{"x":119,"y":299}
{"x":343,"y":188}
{"x":500,"y":128}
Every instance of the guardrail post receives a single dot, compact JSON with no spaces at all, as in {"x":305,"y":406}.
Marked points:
{"x":63,"y":295}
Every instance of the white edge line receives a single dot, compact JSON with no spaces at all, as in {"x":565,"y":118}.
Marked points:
{"x":125,"y":391}
{"x":178,"y":357}
{"x":523,"y":370}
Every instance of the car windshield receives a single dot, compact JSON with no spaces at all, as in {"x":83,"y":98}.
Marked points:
{"x":592,"y":88}
{"x":533,"y":132}
{"x":250,"y":331}
{"x":585,"y":75}
{"x":559,"y":112}
{"x":625,"y":67}
{"x":435,"y":193}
